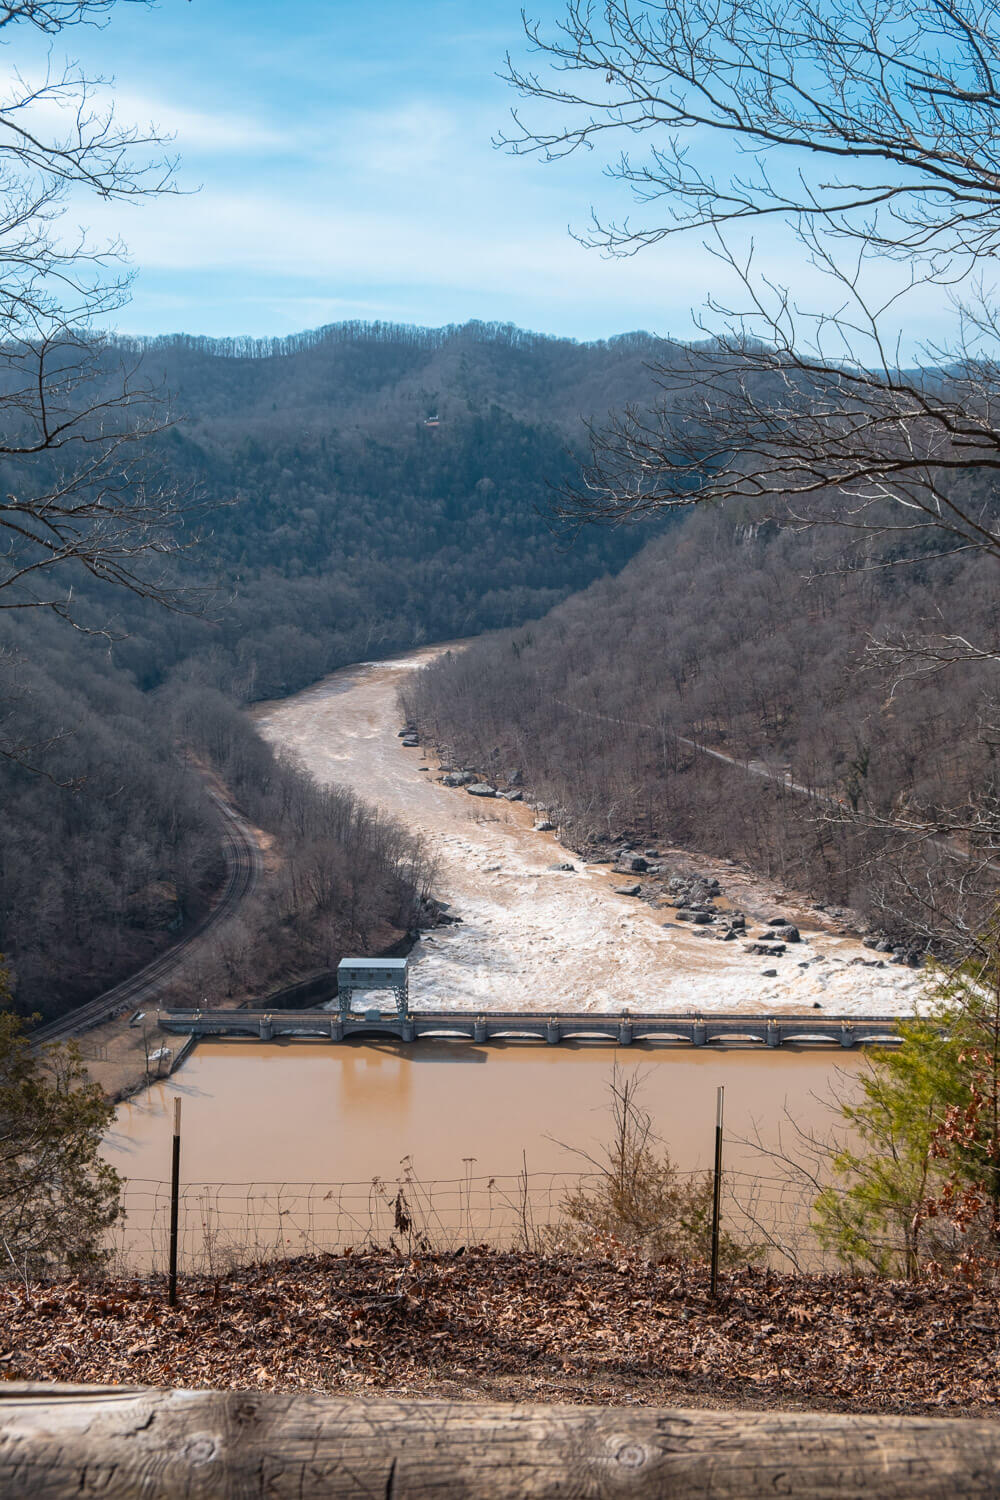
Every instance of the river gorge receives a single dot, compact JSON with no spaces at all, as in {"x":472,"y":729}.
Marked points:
{"x":533,"y":937}
{"x":308,"y":1145}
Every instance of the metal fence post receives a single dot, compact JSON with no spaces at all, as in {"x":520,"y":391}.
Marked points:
{"x":175,"y":1178}
{"x":717,"y":1188}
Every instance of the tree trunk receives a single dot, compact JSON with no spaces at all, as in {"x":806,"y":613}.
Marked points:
{"x":123,"y":1441}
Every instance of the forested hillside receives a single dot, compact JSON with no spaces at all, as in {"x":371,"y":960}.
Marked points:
{"x":108,"y":848}
{"x":113,"y":847}
{"x":340,"y":526}
{"x":755,"y":641}
{"x":357,"y":528}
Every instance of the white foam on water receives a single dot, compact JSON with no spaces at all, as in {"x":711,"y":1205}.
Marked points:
{"x":532,"y":938}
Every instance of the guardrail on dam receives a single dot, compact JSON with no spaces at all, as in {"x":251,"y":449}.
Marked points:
{"x":624,"y":1029}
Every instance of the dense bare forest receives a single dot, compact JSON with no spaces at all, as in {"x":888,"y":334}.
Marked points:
{"x":770,"y":645}
{"x":340,"y":525}
{"x":114,"y":845}
{"x":116,"y":848}
{"x":391,"y":486}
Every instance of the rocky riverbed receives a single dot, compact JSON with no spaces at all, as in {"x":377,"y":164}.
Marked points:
{"x":541,"y":927}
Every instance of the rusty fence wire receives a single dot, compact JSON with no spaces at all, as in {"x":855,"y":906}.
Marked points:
{"x":222,"y":1225}
{"x":227,"y":1224}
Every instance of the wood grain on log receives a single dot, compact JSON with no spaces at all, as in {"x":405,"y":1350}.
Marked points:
{"x":117,"y":1442}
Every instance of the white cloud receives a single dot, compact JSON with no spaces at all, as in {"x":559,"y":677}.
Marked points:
{"x":284,"y":237}
{"x":348,"y":250}
{"x":413,"y":138}
{"x":202,"y":131}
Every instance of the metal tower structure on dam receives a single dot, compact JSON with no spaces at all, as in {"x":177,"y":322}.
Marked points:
{"x":375,"y":976}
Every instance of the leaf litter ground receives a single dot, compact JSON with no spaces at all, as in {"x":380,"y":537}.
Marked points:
{"x":482,"y":1325}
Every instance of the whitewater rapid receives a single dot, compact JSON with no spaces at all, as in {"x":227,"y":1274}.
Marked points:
{"x":532,"y":938}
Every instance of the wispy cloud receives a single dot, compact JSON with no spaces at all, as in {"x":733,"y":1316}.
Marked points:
{"x":413,"y":138}
{"x":55,"y":114}
{"x":204,"y":132}
{"x":346,"y":169}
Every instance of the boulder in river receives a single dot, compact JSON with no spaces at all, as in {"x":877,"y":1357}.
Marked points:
{"x":481,"y":789}
{"x":787,"y":934}
{"x":627,"y":890}
{"x":513,"y":796}
{"x":458,"y":778}
{"x":544,"y":826}
{"x":634,"y":863}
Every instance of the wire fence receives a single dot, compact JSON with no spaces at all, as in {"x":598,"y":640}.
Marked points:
{"x":223,"y":1225}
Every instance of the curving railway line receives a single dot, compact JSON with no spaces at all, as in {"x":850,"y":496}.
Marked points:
{"x":243,"y":866}
{"x":921,"y":834}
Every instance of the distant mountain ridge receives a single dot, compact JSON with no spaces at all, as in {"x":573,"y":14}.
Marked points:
{"x":360,"y":527}
{"x":355,"y":368}
{"x":360,"y":330}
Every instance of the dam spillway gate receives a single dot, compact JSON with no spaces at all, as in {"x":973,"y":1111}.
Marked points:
{"x":622,"y":1030}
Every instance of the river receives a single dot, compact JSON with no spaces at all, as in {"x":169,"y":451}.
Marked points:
{"x":535,"y":938}
{"x":305,"y":1146}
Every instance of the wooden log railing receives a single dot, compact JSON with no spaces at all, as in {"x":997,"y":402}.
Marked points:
{"x":119,"y":1441}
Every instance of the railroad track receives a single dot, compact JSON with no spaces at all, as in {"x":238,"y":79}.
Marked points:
{"x":921,"y":833}
{"x":243,"y":866}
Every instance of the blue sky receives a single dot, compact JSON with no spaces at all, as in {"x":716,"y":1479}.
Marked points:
{"x":338,"y":164}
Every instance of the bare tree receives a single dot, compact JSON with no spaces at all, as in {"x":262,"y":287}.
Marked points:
{"x":898,"y":101}
{"x":872,"y":129}
{"x":875,"y":130}
{"x":77,"y":492}
{"x":634,"y":1195}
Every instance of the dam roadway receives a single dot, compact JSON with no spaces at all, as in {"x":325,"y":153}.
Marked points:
{"x":622,"y":1029}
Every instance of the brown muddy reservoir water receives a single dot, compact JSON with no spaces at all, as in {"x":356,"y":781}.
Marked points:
{"x":305,"y":1146}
